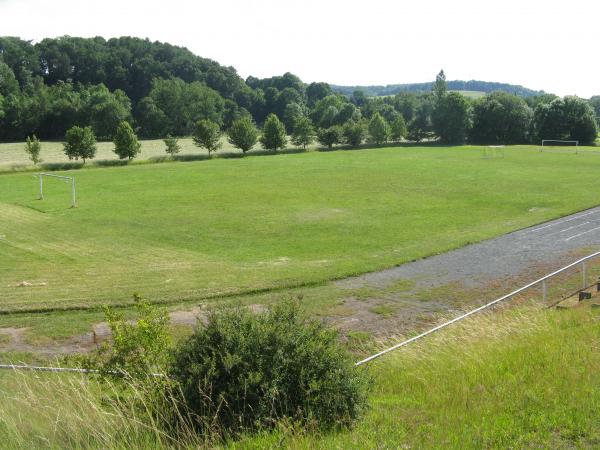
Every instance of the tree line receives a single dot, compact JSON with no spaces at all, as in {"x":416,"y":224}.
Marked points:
{"x":162,"y":90}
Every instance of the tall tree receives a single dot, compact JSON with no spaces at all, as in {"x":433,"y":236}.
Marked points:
{"x":207,"y":135}
{"x":398,"y":128}
{"x":126,"y":142}
{"x":379,"y":129}
{"x":452,"y":118}
{"x":80,"y":143}
{"x":33,"y":147}
{"x":303,"y":133}
{"x":273,"y":135}
{"x":243,"y":134}
{"x":330,"y":136}
{"x":440,"y":88}
{"x":501,"y":118}
{"x":354,"y":132}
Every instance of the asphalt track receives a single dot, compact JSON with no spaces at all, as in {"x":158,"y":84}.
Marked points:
{"x":551,"y":244}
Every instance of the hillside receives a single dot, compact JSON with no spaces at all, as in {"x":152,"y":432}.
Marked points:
{"x":456,"y":85}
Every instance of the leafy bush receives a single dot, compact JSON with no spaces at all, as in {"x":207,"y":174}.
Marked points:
{"x":245,"y":371}
{"x":139,"y":347}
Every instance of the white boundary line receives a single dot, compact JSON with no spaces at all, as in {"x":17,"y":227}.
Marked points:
{"x":562,"y":221}
{"x":567,"y":229}
{"x":581,"y":234}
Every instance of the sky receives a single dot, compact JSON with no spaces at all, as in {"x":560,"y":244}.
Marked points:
{"x":548,"y":45}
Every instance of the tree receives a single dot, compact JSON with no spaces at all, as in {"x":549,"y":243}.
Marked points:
{"x":104,"y":110}
{"x":273,"y":135}
{"x":452,"y":118}
{"x":398,"y":128}
{"x":207,"y":135}
{"x":354,"y":132}
{"x":571,"y":118}
{"x":126,"y":142}
{"x":379,"y":130}
{"x":303,"y":134}
{"x":80,"y":143}
{"x":33,"y":147}
{"x":172,"y":145}
{"x":243,"y":134}
{"x":440,"y":88}
{"x":330,"y":136}
{"x":501,"y":118}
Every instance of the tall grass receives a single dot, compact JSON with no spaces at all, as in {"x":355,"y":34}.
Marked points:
{"x":57,"y":411}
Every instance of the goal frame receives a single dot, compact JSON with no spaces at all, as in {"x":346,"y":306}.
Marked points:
{"x":561,"y":141}
{"x":60,"y":177}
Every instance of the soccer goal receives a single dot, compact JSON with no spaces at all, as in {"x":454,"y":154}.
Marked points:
{"x":559,"y":143}
{"x":493,"y":151}
{"x":67,"y":180}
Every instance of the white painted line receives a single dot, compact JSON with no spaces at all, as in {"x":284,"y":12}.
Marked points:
{"x":581,"y":234}
{"x":567,"y":229}
{"x":562,"y":221}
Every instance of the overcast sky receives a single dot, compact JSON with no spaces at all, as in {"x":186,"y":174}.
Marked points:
{"x":550,"y":45}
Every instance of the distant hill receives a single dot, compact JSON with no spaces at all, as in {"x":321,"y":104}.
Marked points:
{"x":456,"y":85}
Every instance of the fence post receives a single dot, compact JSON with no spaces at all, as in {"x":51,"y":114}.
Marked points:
{"x":584,"y":275}
{"x":41,"y":187}
{"x":544,"y":290}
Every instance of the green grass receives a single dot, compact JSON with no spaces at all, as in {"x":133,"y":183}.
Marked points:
{"x":185,"y":231}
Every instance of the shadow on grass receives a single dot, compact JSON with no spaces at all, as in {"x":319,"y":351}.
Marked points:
{"x":71,"y":165}
{"x":111,"y":162}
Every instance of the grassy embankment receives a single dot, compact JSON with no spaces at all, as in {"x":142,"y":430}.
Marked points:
{"x":518,"y":378}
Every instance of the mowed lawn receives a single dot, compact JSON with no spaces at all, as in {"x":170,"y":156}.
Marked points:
{"x":185,"y":231}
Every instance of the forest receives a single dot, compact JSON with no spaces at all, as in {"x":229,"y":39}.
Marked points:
{"x":161,"y":89}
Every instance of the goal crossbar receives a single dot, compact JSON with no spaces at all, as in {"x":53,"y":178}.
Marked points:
{"x":60,"y":177}
{"x":560,"y":141}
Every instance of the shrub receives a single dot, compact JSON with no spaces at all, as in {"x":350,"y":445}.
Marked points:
{"x":245,"y":372}
{"x":139,"y":347}
{"x":126,"y":142}
{"x":33,"y":147}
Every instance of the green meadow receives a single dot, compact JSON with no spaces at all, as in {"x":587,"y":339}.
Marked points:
{"x":179,"y":231}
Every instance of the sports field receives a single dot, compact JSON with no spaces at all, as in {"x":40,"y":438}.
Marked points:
{"x":186,"y":231}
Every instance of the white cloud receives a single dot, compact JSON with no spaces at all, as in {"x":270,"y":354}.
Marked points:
{"x":546,"y":45}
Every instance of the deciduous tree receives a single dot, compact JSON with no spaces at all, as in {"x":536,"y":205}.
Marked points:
{"x":243,"y":134}
{"x":207,"y":135}
{"x":80,"y":143}
{"x":126,"y":142}
{"x":273,"y":135}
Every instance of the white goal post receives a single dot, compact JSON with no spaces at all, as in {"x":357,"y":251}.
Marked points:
{"x":65,"y":179}
{"x":548,"y":142}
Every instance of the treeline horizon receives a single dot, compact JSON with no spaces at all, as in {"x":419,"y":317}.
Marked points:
{"x":48,"y":87}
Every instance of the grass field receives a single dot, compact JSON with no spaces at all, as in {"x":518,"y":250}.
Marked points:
{"x":519,"y":378}
{"x":185,"y":231}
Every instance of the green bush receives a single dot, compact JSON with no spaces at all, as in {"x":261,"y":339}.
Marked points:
{"x":245,"y":371}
